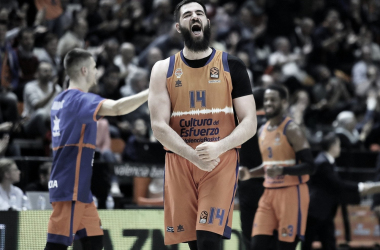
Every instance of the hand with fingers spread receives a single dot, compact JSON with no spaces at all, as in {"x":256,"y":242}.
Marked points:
{"x":208,"y":151}
{"x":206,"y":165}
{"x":273,"y":171}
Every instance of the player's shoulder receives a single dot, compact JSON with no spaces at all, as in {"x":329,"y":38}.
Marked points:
{"x":292,"y":128}
{"x":161,"y":68}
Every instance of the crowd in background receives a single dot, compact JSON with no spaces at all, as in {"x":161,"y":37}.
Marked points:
{"x":326,"y":52}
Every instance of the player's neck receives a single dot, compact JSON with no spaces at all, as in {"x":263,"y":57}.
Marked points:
{"x":78,"y":85}
{"x":276,"y":121}
{"x":191,"y":55}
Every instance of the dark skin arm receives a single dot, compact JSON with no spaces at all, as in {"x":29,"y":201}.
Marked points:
{"x":297,"y":140}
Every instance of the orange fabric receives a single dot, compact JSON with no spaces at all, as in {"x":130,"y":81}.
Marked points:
{"x":79,"y":158}
{"x":276,"y":150}
{"x":85,"y":216}
{"x":52,"y":8}
{"x":192,"y":194}
{"x":284,"y":210}
{"x":97,"y":110}
{"x":201,"y":101}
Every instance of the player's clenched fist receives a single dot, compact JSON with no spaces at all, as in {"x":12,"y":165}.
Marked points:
{"x":208,"y":151}
{"x":273,"y":171}
{"x":207,"y":165}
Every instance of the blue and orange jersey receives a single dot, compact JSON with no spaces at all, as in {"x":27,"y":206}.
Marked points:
{"x":201,"y":101}
{"x":276,"y":150}
{"x":73,"y":120}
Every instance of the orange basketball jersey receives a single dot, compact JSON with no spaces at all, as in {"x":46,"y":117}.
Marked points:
{"x":201,"y":102}
{"x":276,"y":150}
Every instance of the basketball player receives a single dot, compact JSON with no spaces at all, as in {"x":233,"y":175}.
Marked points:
{"x":287,"y":164}
{"x":194,"y":98}
{"x":73,"y":117}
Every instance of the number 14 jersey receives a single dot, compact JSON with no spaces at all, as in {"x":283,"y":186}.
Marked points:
{"x":201,"y":100}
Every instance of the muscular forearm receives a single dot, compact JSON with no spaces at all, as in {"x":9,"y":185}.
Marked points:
{"x":305,"y":167}
{"x":245,"y":130}
{"x":128,"y":104}
{"x":172,"y":141}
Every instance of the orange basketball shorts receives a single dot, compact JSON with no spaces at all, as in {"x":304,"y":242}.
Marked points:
{"x":73,"y":220}
{"x":198,"y":200}
{"x":283,"y":209}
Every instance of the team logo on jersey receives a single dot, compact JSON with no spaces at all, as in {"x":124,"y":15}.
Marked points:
{"x":178,"y":72}
{"x":180,"y":228}
{"x":178,"y":83}
{"x":56,"y":131}
{"x":53,"y":184}
{"x":170,"y":229}
{"x":284,"y":232}
{"x":203,"y":217}
{"x":214,"y":72}
{"x":277,"y":139}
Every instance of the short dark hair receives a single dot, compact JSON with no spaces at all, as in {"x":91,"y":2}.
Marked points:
{"x":73,"y":58}
{"x":111,"y":69}
{"x":328,"y":140}
{"x":283,"y":92}
{"x":258,"y":94}
{"x":184,"y":2}
{"x":5,"y":165}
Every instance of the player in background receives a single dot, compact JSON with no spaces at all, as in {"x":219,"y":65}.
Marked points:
{"x":194,"y":98}
{"x":287,"y":164}
{"x":74,"y":114}
{"x":250,"y":191}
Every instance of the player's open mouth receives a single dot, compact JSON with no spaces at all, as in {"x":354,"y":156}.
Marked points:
{"x":269,"y":109}
{"x":196,"y":29}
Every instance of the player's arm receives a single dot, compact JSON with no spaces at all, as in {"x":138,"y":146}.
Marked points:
{"x":246,"y":174}
{"x":298,"y":141}
{"x":245,"y":109}
{"x":160,"y":111}
{"x":124,"y":105}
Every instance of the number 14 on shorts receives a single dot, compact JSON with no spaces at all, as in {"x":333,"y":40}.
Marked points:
{"x":216,"y":214}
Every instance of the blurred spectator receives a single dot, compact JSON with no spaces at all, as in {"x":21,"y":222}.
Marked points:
{"x":299,"y":106}
{"x":101,"y":20}
{"x":49,"y":53}
{"x":73,"y":38}
{"x":103,"y":142}
{"x":289,"y":63}
{"x":28,"y":62}
{"x":154,"y":55}
{"x":165,"y":43}
{"x":139,"y":134}
{"x":38,"y":99}
{"x":109,"y":85}
{"x":8,"y":61}
{"x":345,"y":128}
{"x":160,"y":20}
{"x":329,"y":96}
{"x":41,"y":185}
{"x":63,"y":22}
{"x":10,"y":196}
{"x":107,"y":56}
{"x":301,"y":39}
{"x":365,"y":74}
{"x":125,"y":62}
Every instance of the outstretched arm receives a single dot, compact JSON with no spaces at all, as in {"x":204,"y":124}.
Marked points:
{"x":124,"y":105}
{"x":160,"y":111}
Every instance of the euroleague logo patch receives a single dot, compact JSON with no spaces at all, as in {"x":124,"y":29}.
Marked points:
{"x":178,"y":72}
{"x":214,"y":72}
{"x":203,"y":217}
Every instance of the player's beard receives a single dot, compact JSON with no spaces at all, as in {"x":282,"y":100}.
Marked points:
{"x":198,"y":45}
{"x":273,"y":114}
